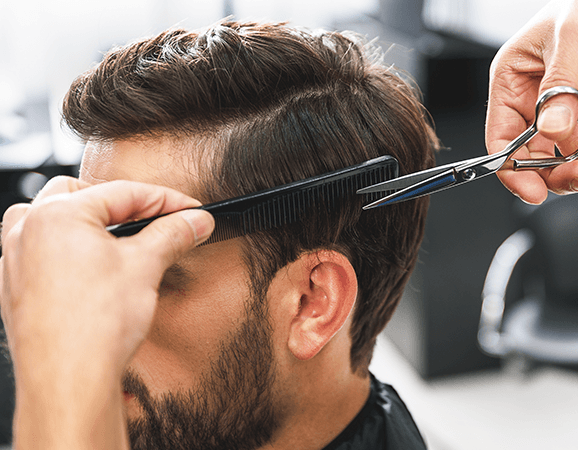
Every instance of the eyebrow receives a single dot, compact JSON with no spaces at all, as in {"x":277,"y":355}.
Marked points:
{"x":179,"y":274}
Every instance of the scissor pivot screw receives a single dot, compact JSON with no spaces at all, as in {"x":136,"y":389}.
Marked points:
{"x":469,"y":174}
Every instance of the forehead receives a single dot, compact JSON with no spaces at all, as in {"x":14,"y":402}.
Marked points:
{"x":155,"y":161}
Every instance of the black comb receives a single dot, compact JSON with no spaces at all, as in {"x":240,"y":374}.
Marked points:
{"x":284,"y":204}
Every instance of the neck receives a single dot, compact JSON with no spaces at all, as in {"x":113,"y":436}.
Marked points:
{"x":323,"y":401}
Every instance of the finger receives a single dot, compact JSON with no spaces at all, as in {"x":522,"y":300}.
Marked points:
{"x":508,"y":115}
{"x":119,"y":201}
{"x":528,"y":186}
{"x":561,"y":113}
{"x":557,"y":119}
{"x":168,"y":238}
{"x":531,"y":187}
{"x":539,"y":147}
{"x":564,"y":178}
{"x":503,"y":127}
{"x":60,"y":185}
{"x":12,"y":216}
{"x":3,"y":298}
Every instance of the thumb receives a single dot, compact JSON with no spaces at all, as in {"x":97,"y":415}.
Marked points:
{"x":558,"y":117}
{"x":557,"y":120}
{"x":168,"y":238}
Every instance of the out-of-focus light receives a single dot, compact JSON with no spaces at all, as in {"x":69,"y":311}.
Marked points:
{"x":30,"y":183}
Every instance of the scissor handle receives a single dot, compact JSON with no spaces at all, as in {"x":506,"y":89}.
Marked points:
{"x":542,"y":163}
{"x":533,"y":129}
{"x":434,"y":180}
{"x":497,"y":161}
{"x":548,"y":94}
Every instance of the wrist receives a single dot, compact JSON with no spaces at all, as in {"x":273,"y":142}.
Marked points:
{"x":57,"y":412}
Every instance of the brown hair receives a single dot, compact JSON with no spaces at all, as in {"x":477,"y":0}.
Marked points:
{"x":279,"y":105}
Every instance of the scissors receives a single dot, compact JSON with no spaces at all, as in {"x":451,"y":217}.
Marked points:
{"x":454,"y":174}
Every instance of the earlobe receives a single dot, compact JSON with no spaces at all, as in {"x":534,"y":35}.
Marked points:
{"x":325,"y":303}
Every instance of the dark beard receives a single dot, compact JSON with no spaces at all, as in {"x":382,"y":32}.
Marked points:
{"x":232,"y":408}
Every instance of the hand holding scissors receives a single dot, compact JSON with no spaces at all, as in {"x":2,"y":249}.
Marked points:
{"x":540,"y":56}
{"x":454,"y":174}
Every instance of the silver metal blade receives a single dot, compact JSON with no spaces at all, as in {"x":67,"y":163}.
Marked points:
{"x":406,"y":180}
{"x":433,"y":184}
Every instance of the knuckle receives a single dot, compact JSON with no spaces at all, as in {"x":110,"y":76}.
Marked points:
{"x":8,"y":243}
{"x":11,"y":216}
{"x":46,"y":209}
{"x":56,"y":185}
{"x":558,"y":77}
{"x":59,"y":181}
{"x":13,"y":211}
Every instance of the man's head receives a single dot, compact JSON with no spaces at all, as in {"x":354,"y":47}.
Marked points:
{"x":239,"y":108}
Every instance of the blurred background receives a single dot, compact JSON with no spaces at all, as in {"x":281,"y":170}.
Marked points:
{"x":522,"y":391}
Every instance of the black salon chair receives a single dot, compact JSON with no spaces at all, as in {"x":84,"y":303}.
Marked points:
{"x":537,"y":269}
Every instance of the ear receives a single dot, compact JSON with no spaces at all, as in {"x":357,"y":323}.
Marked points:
{"x":328,"y":294}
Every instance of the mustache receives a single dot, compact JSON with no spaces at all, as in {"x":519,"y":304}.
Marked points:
{"x":133,"y":384}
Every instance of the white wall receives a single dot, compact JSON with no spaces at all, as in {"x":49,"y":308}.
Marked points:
{"x":47,"y":43}
{"x":490,"y":22}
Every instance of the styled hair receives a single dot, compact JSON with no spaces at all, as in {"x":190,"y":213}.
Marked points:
{"x":277,"y":104}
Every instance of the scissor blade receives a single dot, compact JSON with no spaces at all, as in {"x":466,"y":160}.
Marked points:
{"x":433,"y":184}
{"x":406,"y":180}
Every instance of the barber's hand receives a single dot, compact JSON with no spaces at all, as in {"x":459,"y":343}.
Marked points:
{"x":542,"y":55}
{"x":76,"y":301}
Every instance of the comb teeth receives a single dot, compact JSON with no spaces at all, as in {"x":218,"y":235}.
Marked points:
{"x":290,"y":207}
{"x":286,"y":204}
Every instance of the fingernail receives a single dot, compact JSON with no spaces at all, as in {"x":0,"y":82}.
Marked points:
{"x":201,"y":221}
{"x":555,"y":119}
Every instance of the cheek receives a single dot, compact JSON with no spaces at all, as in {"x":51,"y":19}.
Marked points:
{"x":186,"y":335}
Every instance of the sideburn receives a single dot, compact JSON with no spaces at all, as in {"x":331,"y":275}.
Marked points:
{"x":234,"y":406}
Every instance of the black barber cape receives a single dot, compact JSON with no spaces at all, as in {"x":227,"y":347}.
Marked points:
{"x":384,"y":423}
